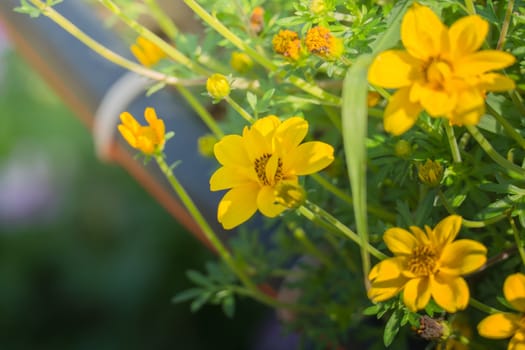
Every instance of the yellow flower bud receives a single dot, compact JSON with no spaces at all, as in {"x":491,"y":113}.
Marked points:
{"x":430,"y":173}
{"x":241,"y":62}
{"x":206,"y":143}
{"x":218,"y":86}
{"x":317,"y":6}
{"x":287,"y":43}
{"x":402,"y":149}
{"x":148,"y":139}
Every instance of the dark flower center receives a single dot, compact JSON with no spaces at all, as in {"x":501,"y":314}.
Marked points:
{"x":422,"y":261}
{"x":260,"y":170}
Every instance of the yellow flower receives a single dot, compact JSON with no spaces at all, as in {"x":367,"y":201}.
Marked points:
{"x":505,"y":325}
{"x":427,"y":265}
{"x":257,"y":163}
{"x":149,"y":139}
{"x":241,"y":62}
{"x":146,"y":52}
{"x":218,"y":86}
{"x":441,"y":70}
{"x":287,"y":43}
{"x":321,"y":42}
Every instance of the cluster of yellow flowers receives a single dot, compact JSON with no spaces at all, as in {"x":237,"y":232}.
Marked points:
{"x":440,"y":71}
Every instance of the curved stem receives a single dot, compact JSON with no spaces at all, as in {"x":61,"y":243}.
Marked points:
{"x":107,"y":53}
{"x":517,"y":238}
{"x":491,"y":152}
{"x":206,"y":117}
{"x":162,"y":19}
{"x":378,"y":211}
{"x":319,"y":215}
{"x":456,"y":155}
{"x":505,"y":25}
{"x":509,"y":129}
{"x":239,"y":109}
{"x":482,"y":307}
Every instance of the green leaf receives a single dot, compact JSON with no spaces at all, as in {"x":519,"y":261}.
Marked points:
{"x":200,"y":301}
{"x":252,"y":100}
{"x":199,"y":278}
{"x":371,"y":310}
{"x":187,"y":295}
{"x":228,"y":306}
{"x":391,"y":328}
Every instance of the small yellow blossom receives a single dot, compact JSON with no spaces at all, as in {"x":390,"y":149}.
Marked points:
{"x":441,"y":71}
{"x":430,"y":173}
{"x":287,"y":43}
{"x":506,"y":325}
{"x":427,"y":264}
{"x":148,"y":139}
{"x":241,"y":62}
{"x":257,"y":20}
{"x":218,"y":86}
{"x":262,"y":162}
{"x":320,"y":41}
{"x":146,"y":52}
{"x":318,"y":7}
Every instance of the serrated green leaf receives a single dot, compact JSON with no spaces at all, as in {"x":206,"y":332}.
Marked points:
{"x":198,"y":278}
{"x":187,"y":295}
{"x":391,"y":328}
{"x":200,"y":301}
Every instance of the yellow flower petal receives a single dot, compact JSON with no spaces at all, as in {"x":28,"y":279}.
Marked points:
{"x":445,"y":231}
{"x":394,"y":69}
{"x":237,"y":205}
{"x":450,"y":292}
{"x":266,"y":202}
{"x":130,"y":122}
{"x":495,"y":82}
{"x":514,"y":291}
{"x":416,"y":293}
{"x":228,"y":177}
{"x":387,"y":279}
{"x":267,"y":125}
{"x":462,"y":257}
{"x":467,"y":35}
{"x":400,"y":114}
{"x":291,"y":132}
{"x":498,"y":326}
{"x":308,"y":158}
{"x":423,"y":34}
{"x":230,"y":150}
{"x":128,"y":135}
{"x":481,"y":62}
{"x":399,"y":241}
{"x":272,"y":165}
{"x":470,"y":110}
{"x":436,"y":102}
{"x":518,"y":341}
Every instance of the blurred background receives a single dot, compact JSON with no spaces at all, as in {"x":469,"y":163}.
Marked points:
{"x":88,"y":260}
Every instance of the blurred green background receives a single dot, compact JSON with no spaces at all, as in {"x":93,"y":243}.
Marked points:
{"x":88,"y":260}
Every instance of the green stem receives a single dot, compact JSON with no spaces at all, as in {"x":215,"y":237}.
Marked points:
{"x":491,"y":152}
{"x":276,"y":304}
{"x":454,"y":149}
{"x":471,"y":9}
{"x":509,"y":129}
{"x":164,"y":21}
{"x":349,"y":263}
{"x":310,"y":248}
{"x":518,"y":101}
{"x":505,"y":25}
{"x":483,"y":307}
{"x":206,"y":117}
{"x":319,"y":215}
{"x":517,"y":238}
{"x":470,"y":223}
{"x":239,"y":110}
{"x":210,"y":234}
{"x":379,"y":212}
{"x":258,"y":57}
{"x":104,"y":51}
{"x":170,"y":50}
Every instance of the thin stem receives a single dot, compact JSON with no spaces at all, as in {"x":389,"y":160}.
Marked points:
{"x":239,"y":109}
{"x":310,"y":248}
{"x":379,"y":212}
{"x":104,"y":51}
{"x":206,"y":117}
{"x":258,"y":57}
{"x":517,"y":238}
{"x":319,"y":215}
{"x":164,"y":21}
{"x":276,"y":304}
{"x":518,"y":101}
{"x":470,"y":223}
{"x":454,"y":149}
{"x":350,"y":264}
{"x":483,"y":307}
{"x":505,"y":25}
{"x":509,"y":129}
{"x":170,"y":50}
{"x":491,"y":152}
{"x":470,"y":7}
